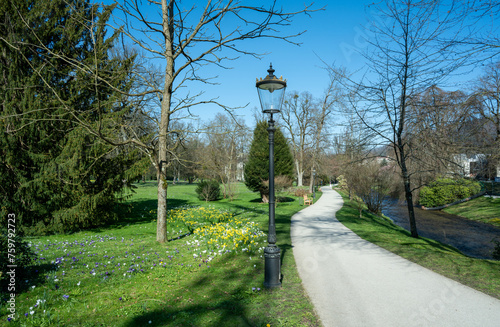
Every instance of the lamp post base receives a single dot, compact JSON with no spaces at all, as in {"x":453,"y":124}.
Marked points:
{"x":272,"y":274}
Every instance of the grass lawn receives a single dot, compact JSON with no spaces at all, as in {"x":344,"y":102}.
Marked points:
{"x":120,"y":275}
{"x":483,"y":209}
{"x":482,"y":275}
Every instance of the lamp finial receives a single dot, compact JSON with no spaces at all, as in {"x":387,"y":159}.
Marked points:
{"x":271,"y":70}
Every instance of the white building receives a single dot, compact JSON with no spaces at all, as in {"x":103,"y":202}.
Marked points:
{"x":473,"y":165}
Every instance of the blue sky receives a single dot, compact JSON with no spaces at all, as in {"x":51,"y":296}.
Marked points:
{"x":332,"y":35}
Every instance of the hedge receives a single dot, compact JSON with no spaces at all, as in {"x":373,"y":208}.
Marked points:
{"x":445,"y":190}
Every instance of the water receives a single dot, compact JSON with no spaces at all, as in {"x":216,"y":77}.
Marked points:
{"x":470,"y":237}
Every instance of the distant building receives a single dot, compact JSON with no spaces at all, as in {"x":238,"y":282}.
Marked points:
{"x":476,"y":166}
{"x":240,"y":172}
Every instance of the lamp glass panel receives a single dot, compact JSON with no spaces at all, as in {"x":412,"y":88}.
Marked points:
{"x":271,"y":96}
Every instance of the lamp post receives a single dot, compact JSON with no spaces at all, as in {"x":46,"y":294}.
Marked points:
{"x":314,"y":183}
{"x":271,"y":92}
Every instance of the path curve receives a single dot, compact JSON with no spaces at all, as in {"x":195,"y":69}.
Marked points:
{"x":352,"y":282}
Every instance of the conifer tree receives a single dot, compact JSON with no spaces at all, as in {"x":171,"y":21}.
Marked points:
{"x":257,"y":167}
{"x":54,"y":175}
{"x":184,"y":43}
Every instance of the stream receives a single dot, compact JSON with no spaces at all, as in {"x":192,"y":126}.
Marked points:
{"x":472,"y":238}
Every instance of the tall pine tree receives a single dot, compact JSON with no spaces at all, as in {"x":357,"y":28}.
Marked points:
{"x":257,"y":167}
{"x":54,"y":174}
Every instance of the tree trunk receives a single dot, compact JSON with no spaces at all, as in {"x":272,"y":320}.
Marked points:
{"x":408,"y":194}
{"x":411,"y":211}
{"x":300,"y":173}
{"x":265,"y":198}
{"x":168,"y":30}
{"x":161,"y":222}
{"x":161,"y":228}
{"x":161,"y":167}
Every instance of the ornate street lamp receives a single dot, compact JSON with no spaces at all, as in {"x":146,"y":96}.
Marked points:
{"x":271,"y":93}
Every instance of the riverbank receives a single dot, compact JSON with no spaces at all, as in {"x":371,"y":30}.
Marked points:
{"x":455,"y":203}
{"x":472,"y":237}
{"x":485,"y":209}
{"x":482,"y":275}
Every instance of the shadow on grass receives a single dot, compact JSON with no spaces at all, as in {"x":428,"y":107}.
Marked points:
{"x":180,"y":237}
{"x":226,"y":300}
{"x":284,"y":199}
{"x":279,"y":199}
{"x":141,"y":211}
{"x":35,"y":274}
{"x":226,"y":296}
{"x":243,"y":209}
{"x":283,"y":225}
{"x":285,"y":248}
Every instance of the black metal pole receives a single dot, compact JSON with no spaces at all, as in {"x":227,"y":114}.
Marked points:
{"x":272,"y":255}
{"x":314,"y":185}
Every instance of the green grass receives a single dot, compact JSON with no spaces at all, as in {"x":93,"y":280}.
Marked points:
{"x":174,"y":288}
{"x":483,"y":209}
{"x":482,"y":275}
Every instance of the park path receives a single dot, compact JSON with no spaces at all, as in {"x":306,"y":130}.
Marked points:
{"x":352,"y":282}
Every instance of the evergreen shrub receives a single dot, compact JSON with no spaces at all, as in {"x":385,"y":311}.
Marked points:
{"x":257,"y":167}
{"x":208,"y":190}
{"x":446,"y":190}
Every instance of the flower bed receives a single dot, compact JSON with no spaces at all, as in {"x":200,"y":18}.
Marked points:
{"x":68,"y":267}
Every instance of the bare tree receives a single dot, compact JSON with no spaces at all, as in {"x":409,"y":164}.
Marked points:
{"x":351,"y":149}
{"x":485,"y":106}
{"x":186,"y":39}
{"x":371,"y":181}
{"x":191,"y":155}
{"x":414,"y":47}
{"x":483,"y":30}
{"x":437,"y":128}
{"x":305,"y":119}
{"x":325,"y":108}
{"x":298,"y":117}
{"x":487,"y":96}
{"x":223,"y":153}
